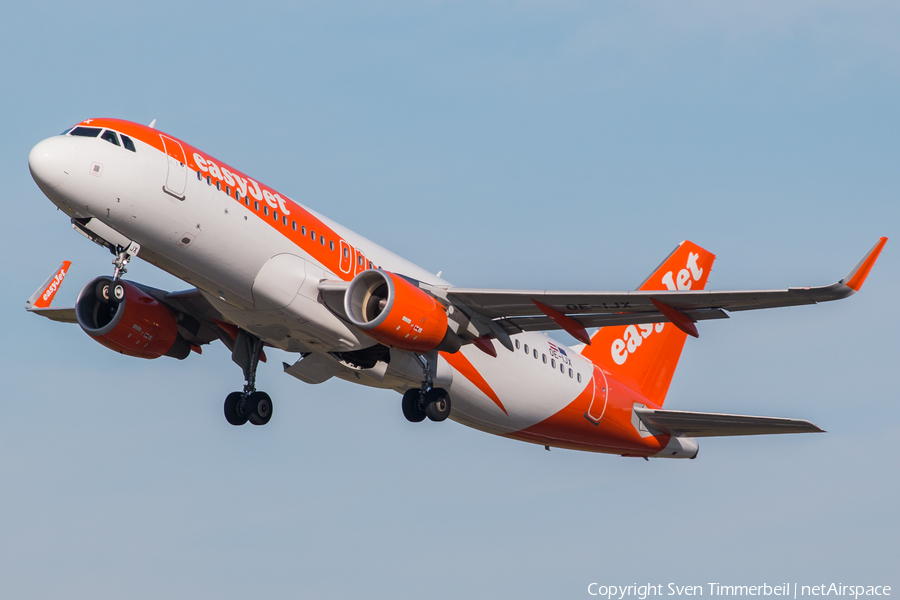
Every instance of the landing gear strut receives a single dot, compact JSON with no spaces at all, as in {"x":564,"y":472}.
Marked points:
{"x":249,"y":405}
{"x":123,"y":255}
{"x":111,"y":291}
{"x":426,"y":401}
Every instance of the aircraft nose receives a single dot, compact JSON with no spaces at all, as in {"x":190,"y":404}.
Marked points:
{"x":47,"y":162}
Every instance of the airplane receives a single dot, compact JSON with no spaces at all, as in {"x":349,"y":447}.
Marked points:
{"x":269,"y":272}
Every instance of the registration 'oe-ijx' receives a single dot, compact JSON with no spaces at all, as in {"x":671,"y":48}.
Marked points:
{"x":269,"y":272}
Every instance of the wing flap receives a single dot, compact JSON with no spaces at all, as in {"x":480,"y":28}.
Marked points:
{"x":544,"y":323}
{"x":698,"y":424}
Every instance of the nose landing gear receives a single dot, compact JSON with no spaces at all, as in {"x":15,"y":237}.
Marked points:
{"x":123,"y":255}
{"x":249,"y":405}
{"x":112,"y":291}
{"x":427,"y":401}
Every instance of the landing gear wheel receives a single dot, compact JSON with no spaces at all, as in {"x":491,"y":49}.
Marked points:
{"x":437,"y":404}
{"x":259,"y":408}
{"x":410,"y":406}
{"x":102,"y":291}
{"x":233,"y":413}
{"x":116,"y":292}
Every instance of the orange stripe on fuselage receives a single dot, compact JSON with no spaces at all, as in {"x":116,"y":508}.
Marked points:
{"x":330,"y":259}
{"x":468,"y":370}
{"x":613,"y":433}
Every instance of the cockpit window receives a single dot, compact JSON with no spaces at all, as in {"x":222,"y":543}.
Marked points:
{"x":129,"y":145}
{"x":66,"y":131}
{"x":85,"y":131}
{"x":110,"y":136}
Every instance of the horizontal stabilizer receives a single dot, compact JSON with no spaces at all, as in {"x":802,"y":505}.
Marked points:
{"x":696,"y":424}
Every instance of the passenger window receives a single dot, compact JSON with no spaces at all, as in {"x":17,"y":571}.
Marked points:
{"x":526,"y":348}
{"x":544,"y":358}
{"x":303,"y":230}
{"x":553,"y":363}
{"x":294,"y":225}
{"x":322,"y":239}
{"x":578,"y":377}
{"x":256,"y":206}
{"x":346,"y":253}
{"x":227,"y":190}
{"x":218,"y":185}
{"x":570,"y":373}
{"x":517,"y":344}
{"x":275,"y":214}
{"x":331,"y":246}
{"x":359,"y":260}
{"x":129,"y":145}
{"x":284,"y":221}
{"x":371,"y":266}
{"x":266,"y":210}
{"x":535,"y":353}
{"x":562,"y":368}
{"x":199,"y":175}
{"x":86,"y":132}
{"x":312,"y":234}
{"x":208,"y":180}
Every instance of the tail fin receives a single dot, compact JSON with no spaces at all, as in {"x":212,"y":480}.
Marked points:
{"x":648,"y":354}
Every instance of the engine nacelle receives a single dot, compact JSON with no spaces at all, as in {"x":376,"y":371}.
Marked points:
{"x":138,"y":326}
{"x":397,"y":313}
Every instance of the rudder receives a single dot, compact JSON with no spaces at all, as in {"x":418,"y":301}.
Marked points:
{"x":648,"y":354}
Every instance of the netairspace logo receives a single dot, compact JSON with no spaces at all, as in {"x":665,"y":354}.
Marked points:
{"x":642,"y":592}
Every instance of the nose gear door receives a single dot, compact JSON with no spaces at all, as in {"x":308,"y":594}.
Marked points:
{"x":176,"y":177}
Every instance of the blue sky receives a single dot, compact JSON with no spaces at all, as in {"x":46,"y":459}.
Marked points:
{"x":563,"y":145}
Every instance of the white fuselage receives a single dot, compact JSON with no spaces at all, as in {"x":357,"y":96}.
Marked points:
{"x":266,"y":283}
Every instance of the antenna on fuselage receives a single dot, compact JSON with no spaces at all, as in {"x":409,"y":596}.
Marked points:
{"x":152,"y":124}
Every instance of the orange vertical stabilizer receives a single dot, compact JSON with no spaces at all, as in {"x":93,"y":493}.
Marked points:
{"x":647,"y":355}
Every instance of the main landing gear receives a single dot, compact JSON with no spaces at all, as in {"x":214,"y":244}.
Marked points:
{"x":427,"y":401}
{"x":249,"y":405}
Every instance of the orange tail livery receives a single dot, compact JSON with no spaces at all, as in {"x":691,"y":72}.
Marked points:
{"x":646,"y":354}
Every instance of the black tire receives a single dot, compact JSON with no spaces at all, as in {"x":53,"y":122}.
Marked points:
{"x":410,"y":406}
{"x":232,"y":409}
{"x":116,"y":292}
{"x":437,"y":404}
{"x":259,"y":409}
{"x":102,"y":290}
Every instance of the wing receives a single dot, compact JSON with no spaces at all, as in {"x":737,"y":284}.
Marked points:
{"x":60,"y":315}
{"x":527,"y":310}
{"x":697,"y":424}
{"x":199,"y":322}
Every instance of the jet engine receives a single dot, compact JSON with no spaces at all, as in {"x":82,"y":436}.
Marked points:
{"x":395,"y":312}
{"x":135,"y":324}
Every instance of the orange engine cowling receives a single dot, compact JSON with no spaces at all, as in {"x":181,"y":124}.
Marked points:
{"x":397,"y":313}
{"x":137,"y":326}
